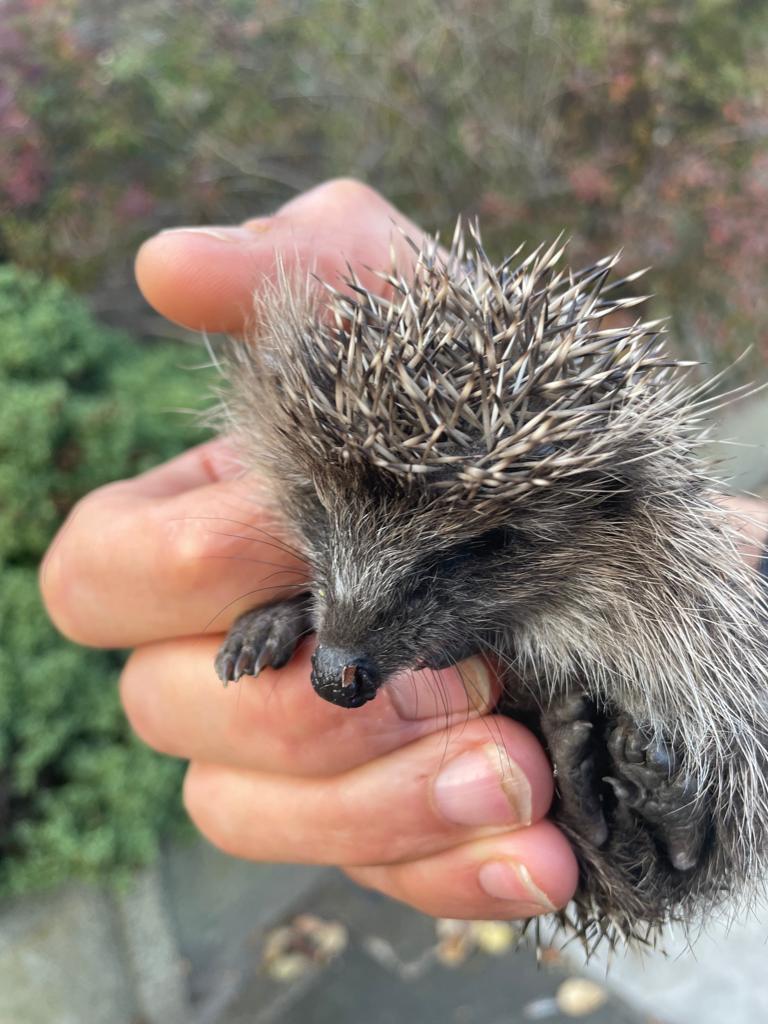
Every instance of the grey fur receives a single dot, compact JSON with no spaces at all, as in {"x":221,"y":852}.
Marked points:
{"x":475,"y":463}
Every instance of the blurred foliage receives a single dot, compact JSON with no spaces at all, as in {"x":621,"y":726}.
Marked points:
{"x":634,"y":123}
{"x":79,"y":405}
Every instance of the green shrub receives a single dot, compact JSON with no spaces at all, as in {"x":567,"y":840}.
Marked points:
{"x":79,"y":405}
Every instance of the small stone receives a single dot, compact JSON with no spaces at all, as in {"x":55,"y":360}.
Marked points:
{"x":494,"y":937}
{"x":277,"y":942}
{"x":540,"y":1009}
{"x":289,"y":968}
{"x":576,"y":997}
{"x":455,"y":941}
{"x":307,"y":941}
{"x":450,"y":926}
{"x":328,"y":938}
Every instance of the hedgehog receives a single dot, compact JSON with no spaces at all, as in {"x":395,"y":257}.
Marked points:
{"x":502,"y":459}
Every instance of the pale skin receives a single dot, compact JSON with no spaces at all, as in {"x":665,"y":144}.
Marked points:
{"x":420,"y":794}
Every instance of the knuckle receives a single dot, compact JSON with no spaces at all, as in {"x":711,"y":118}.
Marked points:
{"x":357,"y":838}
{"x":202,"y":799}
{"x":64,"y":571}
{"x":195,"y":792}
{"x":188,"y":547}
{"x":51,"y":581}
{"x":196,"y":797}
{"x":136,"y":698}
{"x":347,"y":191}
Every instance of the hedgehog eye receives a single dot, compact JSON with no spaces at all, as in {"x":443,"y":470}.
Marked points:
{"x":485,"y":545}
{"x":491,"y":541}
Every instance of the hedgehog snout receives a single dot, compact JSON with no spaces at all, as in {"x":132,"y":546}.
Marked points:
{"x":344,"y":677}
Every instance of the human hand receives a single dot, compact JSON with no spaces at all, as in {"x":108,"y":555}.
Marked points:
{"x":422,"y":793}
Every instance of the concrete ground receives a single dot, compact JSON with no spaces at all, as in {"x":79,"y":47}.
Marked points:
{"x":389,"y":974}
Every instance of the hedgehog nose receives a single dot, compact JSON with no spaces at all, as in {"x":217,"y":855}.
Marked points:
{"x":344,"y":678}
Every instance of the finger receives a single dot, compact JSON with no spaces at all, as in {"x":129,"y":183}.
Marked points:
{"x":136,"y":561}
{"x":432,"y":794}
{"x":749,"y":520}
{"x":205,"y":278}
{"x":515,"y":875}
{"x":203,"y":464}
{"x":277,"y":723}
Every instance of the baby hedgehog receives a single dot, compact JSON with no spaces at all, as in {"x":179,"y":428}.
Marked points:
{"x":475,"y":462}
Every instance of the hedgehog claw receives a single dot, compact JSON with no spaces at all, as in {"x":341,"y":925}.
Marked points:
{"x":225,"y":668}
{"x":263,"y":637}
{"x":244,"y":663}
{"x":620,"y":790}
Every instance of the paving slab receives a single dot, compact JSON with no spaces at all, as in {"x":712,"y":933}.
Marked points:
{"x":409,"y":985}
{"x":723,"y":978}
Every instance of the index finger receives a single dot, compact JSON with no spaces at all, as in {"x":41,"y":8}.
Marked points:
{"x":180,"y":550}
{"x":205,"y":278}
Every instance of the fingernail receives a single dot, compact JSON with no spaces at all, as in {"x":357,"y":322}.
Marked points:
{"x":434,"y":694}
{"x":508,"y":880}
{"x":484,"y":787}
{"x":221,"y":234}
{"x":476,"y":680}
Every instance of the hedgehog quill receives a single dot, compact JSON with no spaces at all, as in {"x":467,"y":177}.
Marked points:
{"x":477,"y":464}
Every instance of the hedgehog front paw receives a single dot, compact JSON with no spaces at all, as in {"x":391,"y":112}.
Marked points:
{"x":263,"y":637}
{"x":646,"y":780}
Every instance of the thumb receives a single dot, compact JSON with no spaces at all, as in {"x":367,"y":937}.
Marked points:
{"x":205,"y":277}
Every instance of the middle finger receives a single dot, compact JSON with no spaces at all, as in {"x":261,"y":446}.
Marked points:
{"x":428,"y":796}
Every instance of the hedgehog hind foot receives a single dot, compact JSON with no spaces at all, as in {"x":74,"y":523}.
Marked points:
{"x":641,"y":828}
{"x":613,"y":778}
{"x":646,"y":780}
{"x":263,"y":637}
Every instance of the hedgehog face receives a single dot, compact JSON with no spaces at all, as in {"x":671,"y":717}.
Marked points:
{"x":391,"y":594}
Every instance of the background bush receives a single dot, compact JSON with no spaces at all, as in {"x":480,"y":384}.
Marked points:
{"x":79,"y":405}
